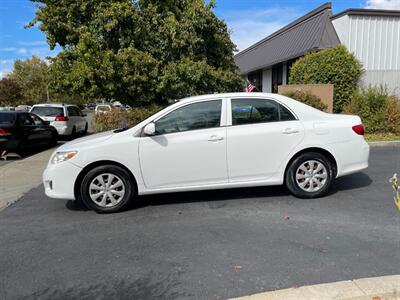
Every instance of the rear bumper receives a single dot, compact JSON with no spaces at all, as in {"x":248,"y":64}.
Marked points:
{"x":59,"y":180}
{"x":8,"y":144}
{"x":351,"y":156}
{"x":62,"y":129}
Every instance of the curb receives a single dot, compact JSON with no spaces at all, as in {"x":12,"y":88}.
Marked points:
{"x":377,"y":288}
{"x":384,"y":143}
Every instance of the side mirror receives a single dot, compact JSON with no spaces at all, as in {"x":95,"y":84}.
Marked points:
{"x":84,"y":114}
{"x":150,"y":129}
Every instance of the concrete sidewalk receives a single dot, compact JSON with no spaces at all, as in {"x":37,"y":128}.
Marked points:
{"x":20,"y":176}
{"x":377,"y":288}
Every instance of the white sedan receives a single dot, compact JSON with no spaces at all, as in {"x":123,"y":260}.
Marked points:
{"x":211,"y":142}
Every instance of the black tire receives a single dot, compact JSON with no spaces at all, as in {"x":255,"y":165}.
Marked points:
{"x":22,"y":148}
{"x":123,"y":201}
{"x":86,"y":128}
{"x":294,"y":186}
{"x":54,"y":140}
{"x":73,"y":133}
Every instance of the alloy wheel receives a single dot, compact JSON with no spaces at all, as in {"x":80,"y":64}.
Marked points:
{"x":311,"y":176}
{"x":106,"y":190}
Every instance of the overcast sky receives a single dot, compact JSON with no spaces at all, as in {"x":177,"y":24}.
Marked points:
{"x":248,"y":21}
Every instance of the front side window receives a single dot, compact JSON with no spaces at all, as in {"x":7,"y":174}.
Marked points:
{"x":194,"y":116}
{"x":25,"y":120}
{"x":250,"y":111}
{"x":38,"y":121}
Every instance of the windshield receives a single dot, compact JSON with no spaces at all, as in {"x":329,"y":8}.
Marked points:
{"x":48,"y":111}
{"x":7,"y":118}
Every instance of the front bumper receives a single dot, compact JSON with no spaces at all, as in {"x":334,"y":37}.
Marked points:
{"x":59,"y":180}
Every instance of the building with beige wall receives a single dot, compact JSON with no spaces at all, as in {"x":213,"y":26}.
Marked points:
{"x":372,"y":35}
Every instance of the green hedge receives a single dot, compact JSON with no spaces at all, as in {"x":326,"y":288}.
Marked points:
{"x":120,"y":118}
{"x":336,"y":66}
{"x":379,"y":111}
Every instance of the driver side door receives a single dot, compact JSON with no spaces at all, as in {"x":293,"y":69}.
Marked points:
{"x":188,"y":149}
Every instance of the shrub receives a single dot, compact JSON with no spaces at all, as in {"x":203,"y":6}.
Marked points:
{"x":116,"y":118}
{"x":392,"y":113}
{"x":120,"y":118}
{"x":307,"y":98}
{"x":138,"y":114}
{"x":379,"y":112}
{"x":336,"y":66}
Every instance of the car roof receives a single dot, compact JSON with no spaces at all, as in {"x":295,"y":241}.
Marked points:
{"x":53,"y":105}
{"x":14,"y":112}
{"x":231,"y":95}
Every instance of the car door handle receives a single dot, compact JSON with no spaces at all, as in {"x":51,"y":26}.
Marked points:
{"x":290,"y":131}
{"x":215,"y":138}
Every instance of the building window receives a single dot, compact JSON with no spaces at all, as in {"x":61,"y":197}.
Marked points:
{"x":256,"y":79}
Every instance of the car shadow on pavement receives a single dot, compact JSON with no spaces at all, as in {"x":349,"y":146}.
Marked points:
{"x":152,"y":286}
{"x":212,"y":195}
{"x":349,"y":182}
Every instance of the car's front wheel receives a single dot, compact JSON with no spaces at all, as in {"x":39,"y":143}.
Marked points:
{"x":107,"y":189}
{"x":310,"y":175}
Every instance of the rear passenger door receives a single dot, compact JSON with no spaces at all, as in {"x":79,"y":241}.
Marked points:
{"x":262,"y":134}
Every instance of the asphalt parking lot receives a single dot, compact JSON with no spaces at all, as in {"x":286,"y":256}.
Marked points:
{"x":203,"y":245}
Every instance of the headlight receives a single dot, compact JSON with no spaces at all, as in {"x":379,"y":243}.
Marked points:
{"x":63,"y":156}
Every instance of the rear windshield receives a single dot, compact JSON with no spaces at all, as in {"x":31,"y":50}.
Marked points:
{"x":46,"y":111}
{"x":103,"y":107}
{"x":7,"y":118}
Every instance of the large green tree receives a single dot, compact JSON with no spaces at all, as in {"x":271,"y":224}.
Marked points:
{"x":10,"y":92}
{"x":32,"y":76}
{"x":138,"y":51}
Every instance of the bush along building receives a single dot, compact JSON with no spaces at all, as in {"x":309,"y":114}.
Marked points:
{"x":372,"y":35}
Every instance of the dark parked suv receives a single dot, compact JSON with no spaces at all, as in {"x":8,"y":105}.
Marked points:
{"x":20,"y":131}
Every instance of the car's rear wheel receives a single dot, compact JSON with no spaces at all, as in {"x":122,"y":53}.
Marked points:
{"x":107,"y":189}
{"x":73,"y":133}
{"x":22,"y":148}
{"x":86,"y":128}
{"x":54,"y":140}
{"x":310,"y":175}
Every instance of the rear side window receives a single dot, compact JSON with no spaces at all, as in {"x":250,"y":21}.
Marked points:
{"x":48,"y":111}
{"x":285,"y":114}
{"x":73,"y":111}
{"x":103,"y":108}
{"x":7,"y":119}
{"x":78,"y":112}
{"x":250,"y":111}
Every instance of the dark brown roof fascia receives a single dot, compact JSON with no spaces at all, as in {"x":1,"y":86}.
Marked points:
{"x":368,"y":12}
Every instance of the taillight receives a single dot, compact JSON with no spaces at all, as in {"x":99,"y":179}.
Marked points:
{"x":359,"y":129}
{"x":4,"y":132}
{"x":61,"y":119}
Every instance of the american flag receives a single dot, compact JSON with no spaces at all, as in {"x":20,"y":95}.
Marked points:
{"x":249,"y":87}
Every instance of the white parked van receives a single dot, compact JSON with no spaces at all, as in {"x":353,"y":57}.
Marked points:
{"x":68,"y":119}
